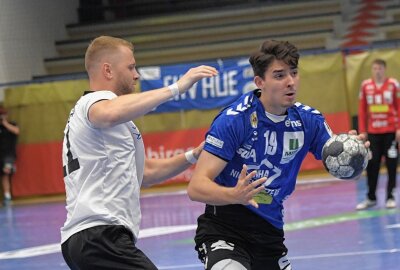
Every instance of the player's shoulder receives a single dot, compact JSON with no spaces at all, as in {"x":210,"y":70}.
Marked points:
{"x":102,"y":94}
{"x":90,"y":97}
{"x":394,"y":81}
{"x":303,"y":109}
{"x":366,"y":82}
{"x":242,"y":106}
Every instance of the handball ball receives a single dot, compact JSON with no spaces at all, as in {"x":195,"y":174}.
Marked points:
{"x":344,"y":156}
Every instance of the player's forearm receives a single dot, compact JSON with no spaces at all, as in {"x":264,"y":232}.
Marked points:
{"x":207,"y":191}
{"x":125,"y":108}
{"x":136,"y":105}
{"x":13,"y":129}
{"x":159,"y":170}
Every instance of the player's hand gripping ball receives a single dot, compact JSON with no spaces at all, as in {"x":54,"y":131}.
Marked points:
{"x":344,"y":156}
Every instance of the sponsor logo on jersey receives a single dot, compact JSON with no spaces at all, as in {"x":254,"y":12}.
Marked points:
{"x":379,"y":108}
{"x":214,"y":141}
{"x":246,"y":154}
{"x":247,"y":146}
{"x":378,"y":99}
{"x":292,"y":143}
{"x":271,"y":172}
{"x":254,"y":120}
{"x":296,"y":123}
{"x":263,"y":197}
{"x":379,"y":123}
{"x":135,"y":131}
{"x":387,"y":96}
{"x":272,"y":192}
{"x":379,"y":116}
{"x":370,"y":99}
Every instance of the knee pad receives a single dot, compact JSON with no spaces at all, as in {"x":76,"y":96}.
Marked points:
{"x":228,"y":264}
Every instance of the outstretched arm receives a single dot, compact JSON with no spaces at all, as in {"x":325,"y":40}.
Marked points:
{"x":158,"y":170}
{"x":107,"y":113}
{"x":203,"y":188}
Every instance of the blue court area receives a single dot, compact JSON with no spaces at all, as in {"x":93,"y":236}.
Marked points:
{"x":323,"y":230}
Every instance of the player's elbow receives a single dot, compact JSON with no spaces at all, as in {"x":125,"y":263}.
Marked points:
{"x":145,"y":184}
{"x":192,"y":191}
{"x":16,"y":131}
{"x":149,"y":175}
{"x":192,"y":195}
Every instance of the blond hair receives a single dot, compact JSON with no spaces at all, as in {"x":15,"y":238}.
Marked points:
{"x":101,"y":46}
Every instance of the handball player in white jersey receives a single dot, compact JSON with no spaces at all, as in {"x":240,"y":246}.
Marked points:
{"x":104,"y":159}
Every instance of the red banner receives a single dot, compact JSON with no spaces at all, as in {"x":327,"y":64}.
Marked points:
{"x":168,"y":144}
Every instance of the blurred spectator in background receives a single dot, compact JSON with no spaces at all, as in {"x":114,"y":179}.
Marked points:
{"x":9,"y":132}
{"x":378,"y":118}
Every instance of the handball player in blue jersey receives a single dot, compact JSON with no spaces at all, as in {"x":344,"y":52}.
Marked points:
{"x":249,"y":165}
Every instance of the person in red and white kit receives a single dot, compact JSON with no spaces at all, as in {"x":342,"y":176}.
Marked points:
{"x":378,"y":118}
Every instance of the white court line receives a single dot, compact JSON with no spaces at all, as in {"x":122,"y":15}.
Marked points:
{"x":30,"y":252}
{"x":54,"y":248}
{"x":393,"y":226}
{"x":343,"y":254}
{"x":182,"y":266}
{"x":307,"y":257}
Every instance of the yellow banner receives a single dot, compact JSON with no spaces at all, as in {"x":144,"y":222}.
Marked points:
{"x":322,"y":82}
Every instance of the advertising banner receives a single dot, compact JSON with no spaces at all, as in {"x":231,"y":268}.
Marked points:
{"x":235,"y":78}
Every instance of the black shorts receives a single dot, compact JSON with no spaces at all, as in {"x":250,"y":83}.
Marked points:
{"x":234,"y":232}
{"x":104,"y":247}
{"x":7,"y":162}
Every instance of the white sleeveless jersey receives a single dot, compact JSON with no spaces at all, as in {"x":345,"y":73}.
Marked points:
{"x":103,"y":171}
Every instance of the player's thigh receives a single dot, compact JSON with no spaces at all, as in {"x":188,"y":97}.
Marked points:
{"x":103,"y":248}
{"x":377,"y":146}
{"x":220,"y":254}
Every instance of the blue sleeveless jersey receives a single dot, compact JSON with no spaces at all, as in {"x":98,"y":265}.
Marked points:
{"x":243,"y":134}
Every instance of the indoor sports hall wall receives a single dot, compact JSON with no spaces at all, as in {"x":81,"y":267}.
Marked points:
{"x":42,"y":109}
{"x":358,"y":68}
